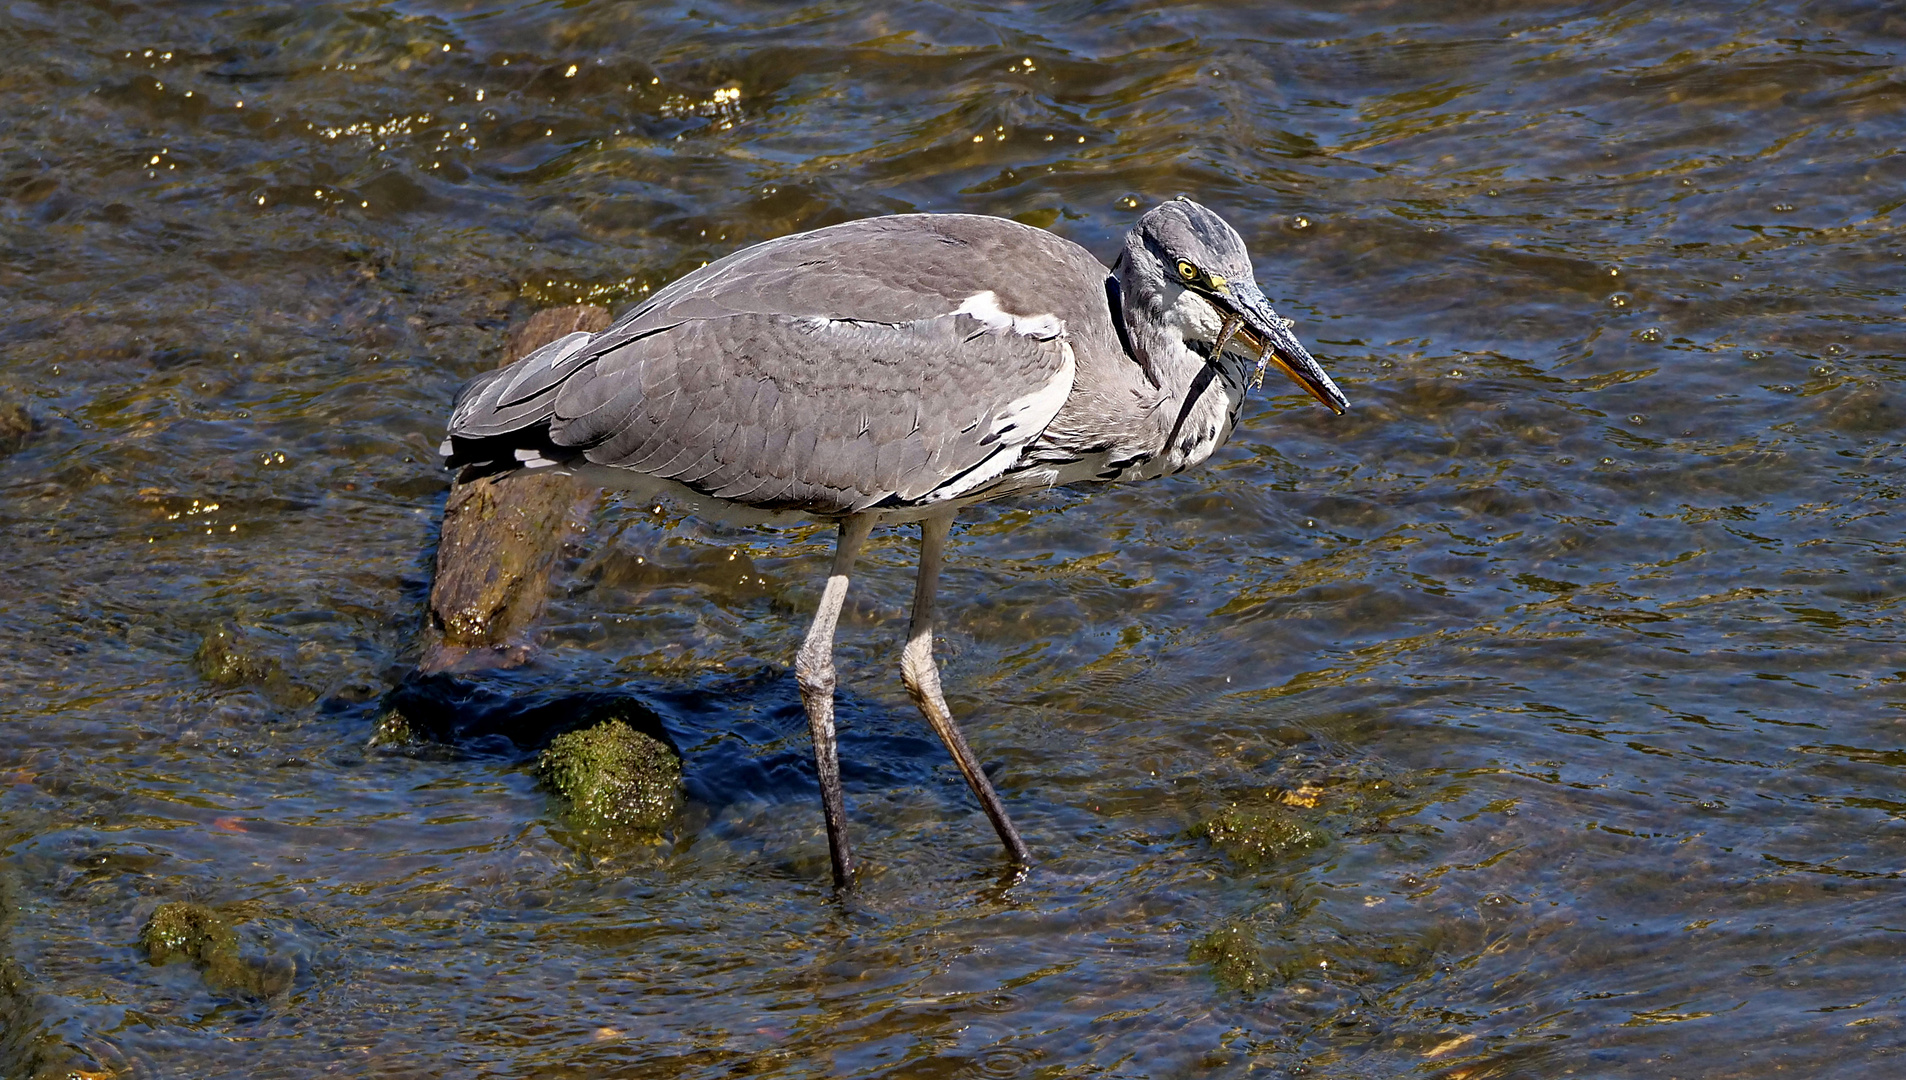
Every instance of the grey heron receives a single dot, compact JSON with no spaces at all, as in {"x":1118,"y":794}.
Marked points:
{"x":899,"y":369}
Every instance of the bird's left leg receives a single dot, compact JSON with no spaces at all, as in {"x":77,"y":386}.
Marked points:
{"x":923,"y":682}
{"x":814,"y":671}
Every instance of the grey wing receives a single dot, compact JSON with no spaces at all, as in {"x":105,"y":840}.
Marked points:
{"x":517,"y":395}
{"x":889,"y":361}
{"x":894,"y":270}
{"x":826,"y":416}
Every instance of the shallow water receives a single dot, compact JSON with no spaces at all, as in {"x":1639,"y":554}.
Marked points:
{"x":1575,"y":648}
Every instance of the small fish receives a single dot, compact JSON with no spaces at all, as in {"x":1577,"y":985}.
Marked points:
{"x":1263,"y":361}
{"x":1230,"y":327}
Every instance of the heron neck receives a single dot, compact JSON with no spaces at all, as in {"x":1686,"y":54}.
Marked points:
{"x":1153,"y":338}
{"x":1197,"y":400}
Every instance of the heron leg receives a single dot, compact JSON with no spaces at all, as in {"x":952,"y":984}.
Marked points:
{"x":814,"y":671}
{"x":923,"y":682}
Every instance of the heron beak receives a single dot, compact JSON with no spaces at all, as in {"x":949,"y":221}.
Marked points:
{"x":1260,"y":329}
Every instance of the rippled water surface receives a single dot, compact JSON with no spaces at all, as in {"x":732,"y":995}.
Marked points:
{"x":1567,"y":664}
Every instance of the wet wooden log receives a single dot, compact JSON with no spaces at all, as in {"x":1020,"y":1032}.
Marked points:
{"x":501,"y":536}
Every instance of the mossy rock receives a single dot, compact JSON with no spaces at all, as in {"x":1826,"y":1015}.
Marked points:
{"x":197,"y":934}
{"x":393,"y":729}
{"x":1236,"y":961}
{"x":614,"y":778}
{"x":224,"y":658}
{"x":1254,"y":836}
{"x":187,"y":931}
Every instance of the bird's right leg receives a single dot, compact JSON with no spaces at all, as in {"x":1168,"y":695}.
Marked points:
{"x":923,"y":682}
{"x":814,"y":671}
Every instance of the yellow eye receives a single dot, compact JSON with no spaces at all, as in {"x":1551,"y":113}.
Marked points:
{"x":1186,"y":270}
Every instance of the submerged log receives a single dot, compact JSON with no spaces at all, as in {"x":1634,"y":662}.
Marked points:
{"x":501,"y":536}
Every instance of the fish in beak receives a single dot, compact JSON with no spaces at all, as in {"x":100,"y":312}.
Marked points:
{"x":1249,"y":319}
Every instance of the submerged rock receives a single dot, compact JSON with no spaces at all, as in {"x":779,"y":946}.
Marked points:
{"x":1866,"y":411}
{"x":16,"y":426}
{"x":200,"y":936}
{"x":1236,"y":961}
{"x":225,"y":658}
{"x":393,"y":729}
{"x":188,"y":931}
{"x":453,"y":709}
{"x":1253,"y":836}
{"x":615,"y":778}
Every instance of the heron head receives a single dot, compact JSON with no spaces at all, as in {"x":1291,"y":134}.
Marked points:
{"x":1197,"y":269}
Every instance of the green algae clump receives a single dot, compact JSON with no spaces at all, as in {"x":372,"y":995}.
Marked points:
{"x":197,"y":934}
{"x":1235,"y":960}
{"x":1256,"y":836}
{"x":187,"y":931}
{"x":222,"y":660}
{"x":393,"y":729}
{"x":225,"y":659}
{"x":615,"y":778}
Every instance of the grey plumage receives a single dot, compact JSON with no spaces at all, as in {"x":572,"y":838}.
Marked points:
{"x":800,"y":375}
{"x":898,"y":368}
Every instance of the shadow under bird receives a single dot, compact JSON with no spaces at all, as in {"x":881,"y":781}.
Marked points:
{"x":899,"y":369}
